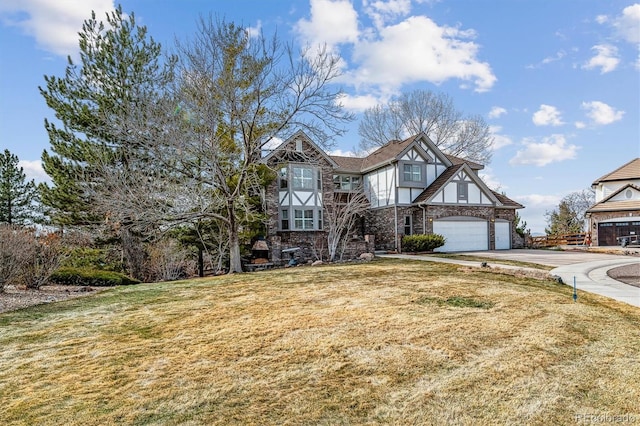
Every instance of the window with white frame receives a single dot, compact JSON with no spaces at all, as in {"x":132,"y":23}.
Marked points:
{"x":303,"y":219}
{"x":284,"y":219}
{"x":412,"y":173}
{"x":302,"y":177}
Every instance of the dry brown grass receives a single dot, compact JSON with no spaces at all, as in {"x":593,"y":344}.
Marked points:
{"x":375,"y":343}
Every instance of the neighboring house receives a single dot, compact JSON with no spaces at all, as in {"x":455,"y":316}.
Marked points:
{"x":411,"y":186}
{"x":616,"y":212}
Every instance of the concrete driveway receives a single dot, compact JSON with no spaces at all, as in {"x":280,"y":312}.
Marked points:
{"x":587,"y":269}
{"x":551,"y":257}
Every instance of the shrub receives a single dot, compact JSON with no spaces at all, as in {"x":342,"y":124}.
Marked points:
{"x":45,"y":254}
{"x":104,"y":259}
{"x":168,"y":261}
{"x":90,"y":277}
{"x":418,"y":243}
{"x":26,"y":258}
{"x":15,"y":243}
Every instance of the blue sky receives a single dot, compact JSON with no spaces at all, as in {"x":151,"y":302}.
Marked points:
{"x":558,"y":81}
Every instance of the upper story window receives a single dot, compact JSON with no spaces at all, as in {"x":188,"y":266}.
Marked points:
{"x":463,"y":191}
{"x":284,"y":179}
{"x":346,"y":182}
{"x":412,"y":173}
{"x":302,"y":177}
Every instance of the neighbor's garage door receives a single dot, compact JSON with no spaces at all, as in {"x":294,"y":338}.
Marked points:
{"x":503,"y":235}
{"x":462,"y":234}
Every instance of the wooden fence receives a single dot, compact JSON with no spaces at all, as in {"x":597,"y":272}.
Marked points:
{"x":560,"y":240}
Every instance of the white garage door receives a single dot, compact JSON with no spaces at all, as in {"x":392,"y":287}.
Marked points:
{"x":462,"y":234}
{"x":503,"y":235}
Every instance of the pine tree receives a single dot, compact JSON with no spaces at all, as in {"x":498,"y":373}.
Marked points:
{"x":99,"y":102}
{"x":564,"y":220}
{"x":18,"y":197}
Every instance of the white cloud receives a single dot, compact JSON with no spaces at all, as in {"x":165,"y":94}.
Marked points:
{"x":628,"y":24}
{"x":580,"y":125}
{"x":496,"y":112}
{"x":383,"y":11}
{"x":601,"y":19}
{"x":491,"y":180}
{"x":551,"y":149}
{"x":499,"y":140}
{"x":331,"y":23}
{"x":358,"y":103}
{"x":33,"y":170}
{"x":547,"y":115}
{"x":341,"y":153}
{"x":536,"y":205}
{"x":559,"y":55}
{"x":601,"y":113}
{"x":539,"y":200}
{"x":391,"y":54}
{"x":417,"y":49}
{"x":606,"y":58}
{"x":53,"y":24}
{"x":255,"y":31}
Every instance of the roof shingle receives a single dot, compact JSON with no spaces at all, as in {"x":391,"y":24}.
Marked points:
{"x":630,"y":170}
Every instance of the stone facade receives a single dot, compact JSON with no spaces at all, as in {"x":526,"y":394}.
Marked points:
{"x":382,"y":228}
{"x":596,"y":217}
{"x":312,"y":244}
{"x":382,"y":222}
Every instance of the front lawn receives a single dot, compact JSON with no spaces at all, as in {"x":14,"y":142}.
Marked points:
{"x":386,"y":342}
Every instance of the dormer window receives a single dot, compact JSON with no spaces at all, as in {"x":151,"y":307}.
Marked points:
{"x":412,"y":173}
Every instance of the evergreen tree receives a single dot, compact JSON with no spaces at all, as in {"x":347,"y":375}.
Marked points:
{"x":563,"y":220}
{"x":18,"y":197}
{"x":103,"y":106}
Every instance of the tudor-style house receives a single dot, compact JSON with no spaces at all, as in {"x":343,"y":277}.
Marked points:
{"x":616,"y":212}
{"x":411,"y":188}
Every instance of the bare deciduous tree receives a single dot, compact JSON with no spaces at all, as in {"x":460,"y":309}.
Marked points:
{"x":341,"y":216}
{"x":197,"y":152}
{"x":435,"y":115}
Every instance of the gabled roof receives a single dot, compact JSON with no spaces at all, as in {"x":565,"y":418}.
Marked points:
{"x":385,"y":154}
{"x":458,"y":160}
{"x":437,"y":184}
{"x":392,"y":151}
{"x":630,"y":170}
{"x":606,"y":205}
{"x":298,"y":135}
{"x":506,"y":201}
{"x":446,"y":176}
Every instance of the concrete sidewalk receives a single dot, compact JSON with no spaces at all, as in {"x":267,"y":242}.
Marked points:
{"x":590,"y":276}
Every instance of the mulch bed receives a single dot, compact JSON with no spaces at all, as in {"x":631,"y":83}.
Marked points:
{"x":628,"y":274}
{"x":17,"y":298}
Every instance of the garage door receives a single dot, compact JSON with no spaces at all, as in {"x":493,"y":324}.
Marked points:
{"x":503,"y":235}
{"x":462,"y":234}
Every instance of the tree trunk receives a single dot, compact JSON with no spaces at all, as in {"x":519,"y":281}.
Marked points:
{"x":235,"y":263}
